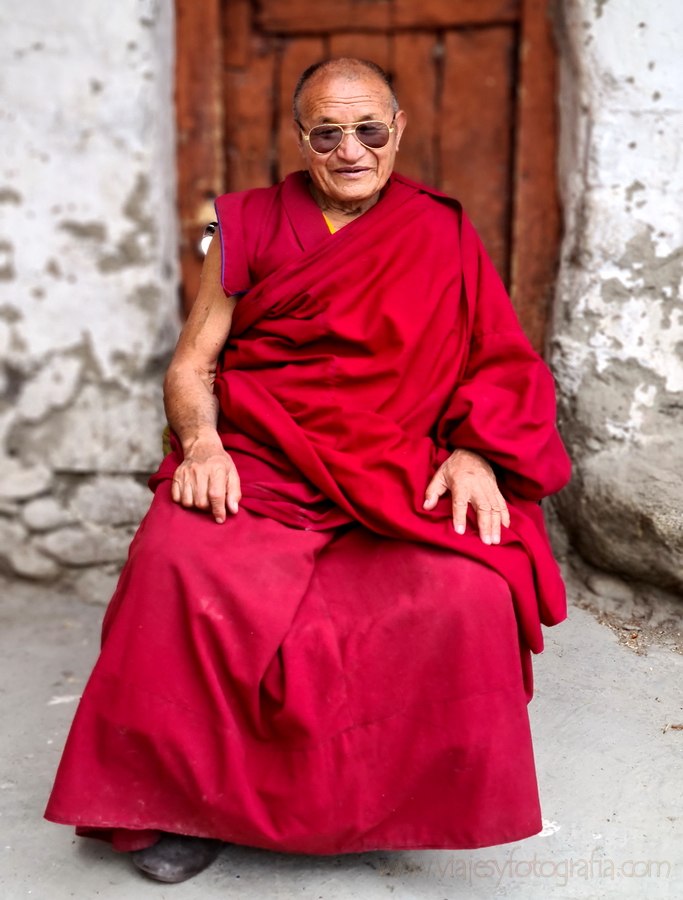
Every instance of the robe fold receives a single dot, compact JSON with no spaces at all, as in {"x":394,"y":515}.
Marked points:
{"x":334,"y":669}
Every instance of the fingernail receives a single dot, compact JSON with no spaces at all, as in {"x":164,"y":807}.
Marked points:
{"x":486,"y":539}
{"x":219,"y":520}
{"x":460,"y":529}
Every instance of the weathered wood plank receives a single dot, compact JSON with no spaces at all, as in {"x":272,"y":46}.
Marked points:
{"x":249,"y":101}
{"x":296,"y":56}
{"x":416,"y":53}
{"x":303,"y":16}
{"x":536,"y":222}
{"x":453,"y":13}
{"x":376,"y":47}
{"x":237,"y":24}
{"x":476,"y":131}
{"x":199,"y":112}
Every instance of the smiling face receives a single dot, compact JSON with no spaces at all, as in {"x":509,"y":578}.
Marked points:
{"x":350,"y":175}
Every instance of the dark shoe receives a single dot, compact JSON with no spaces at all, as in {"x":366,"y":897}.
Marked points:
{"x":176,"y":857}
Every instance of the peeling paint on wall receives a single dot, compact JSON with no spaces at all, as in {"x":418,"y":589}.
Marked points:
{"x":88,"y":299}
{"x":618,"y":331}
{"x":7,"y":271}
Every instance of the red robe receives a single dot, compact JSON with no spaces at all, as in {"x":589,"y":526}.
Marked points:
{"x":334,"y":669}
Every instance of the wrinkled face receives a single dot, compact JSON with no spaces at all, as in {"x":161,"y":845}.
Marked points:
{"x":351,"y":173}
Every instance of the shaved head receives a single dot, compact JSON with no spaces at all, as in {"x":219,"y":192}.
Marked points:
{"x":348,"y":68}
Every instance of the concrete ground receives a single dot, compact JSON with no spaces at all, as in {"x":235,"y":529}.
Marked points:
{"x":608,"y":726}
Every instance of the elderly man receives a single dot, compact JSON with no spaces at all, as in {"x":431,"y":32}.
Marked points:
{"x":321,"y":640}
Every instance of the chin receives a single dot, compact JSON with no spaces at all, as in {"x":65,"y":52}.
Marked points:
{"x":360,"y":190}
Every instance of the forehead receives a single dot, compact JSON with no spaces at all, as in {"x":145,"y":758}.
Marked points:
{"x":341,"y":98}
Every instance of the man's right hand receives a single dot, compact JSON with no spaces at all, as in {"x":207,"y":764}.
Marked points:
{"x":207,"y":479}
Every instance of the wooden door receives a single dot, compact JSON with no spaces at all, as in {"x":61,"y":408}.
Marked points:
{"x":476,"y":78}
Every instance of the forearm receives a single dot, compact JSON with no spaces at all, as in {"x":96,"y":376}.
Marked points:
{"x":191,"y":406}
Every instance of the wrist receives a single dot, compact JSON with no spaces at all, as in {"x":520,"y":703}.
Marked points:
{"x":204,"y":439}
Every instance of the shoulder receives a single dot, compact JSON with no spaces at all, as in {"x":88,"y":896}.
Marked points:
{"x":259,"y":201}
{"x":427,"y":191}
{"x":254,"y":201}
{"x":439,"y":209}
{"x":241,"y":216}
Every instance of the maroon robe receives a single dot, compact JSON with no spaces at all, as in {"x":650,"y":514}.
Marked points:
{"x":334,"y":669}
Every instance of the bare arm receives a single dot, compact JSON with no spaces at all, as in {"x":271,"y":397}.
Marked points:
{"x":207,"y":478}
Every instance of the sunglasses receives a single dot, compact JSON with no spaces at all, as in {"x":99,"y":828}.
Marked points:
{"x":326,"y":138}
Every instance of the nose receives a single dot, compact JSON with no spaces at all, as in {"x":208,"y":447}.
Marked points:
{"x":350,"y":149}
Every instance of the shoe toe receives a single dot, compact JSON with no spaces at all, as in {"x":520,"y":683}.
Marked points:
{"x":176,"y":858}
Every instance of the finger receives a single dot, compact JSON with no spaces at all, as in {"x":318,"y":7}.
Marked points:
{"x":460,"y":503}
{"x":186,"y":492}
{"x":500,"y":517}
{"x":200,"y":489}
{"x":435,"y":489}
{"x":495,"y":526}
{"x":175,"y":491}
{"x":484,"y":522}
{"x":233,"y":491}
{"x":216,"y":494}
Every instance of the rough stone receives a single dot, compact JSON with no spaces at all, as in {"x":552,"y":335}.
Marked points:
{"x":111,"y":501}
{"x":7,"y":508}
{"x":624,"y":512}
{"x":86,"y":545}
{"x":53,"y":386}
{"x":28,"y":562}
{"x":19,"y":557}
{"x":105,"y":430}
{"x":608,"y":586}
{"x":12,"y":535}
{"x":18,"y":482}
{"x":45,"y":513}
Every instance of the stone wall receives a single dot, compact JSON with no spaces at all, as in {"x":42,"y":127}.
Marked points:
{"x":618,"y":331}
{"x":87,"y":279}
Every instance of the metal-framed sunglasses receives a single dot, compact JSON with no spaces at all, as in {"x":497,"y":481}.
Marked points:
{"x":326,"y":138}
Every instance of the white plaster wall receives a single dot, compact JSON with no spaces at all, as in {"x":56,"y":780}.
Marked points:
{"x":618,"y":331}
{"x":87,"y":274}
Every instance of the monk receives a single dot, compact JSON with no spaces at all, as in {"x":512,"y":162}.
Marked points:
{"x":321,"y":640}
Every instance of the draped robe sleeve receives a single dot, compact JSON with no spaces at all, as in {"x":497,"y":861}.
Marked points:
{"x":504,"y":405}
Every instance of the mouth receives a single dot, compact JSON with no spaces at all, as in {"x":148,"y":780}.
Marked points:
{"x":352,"y":171}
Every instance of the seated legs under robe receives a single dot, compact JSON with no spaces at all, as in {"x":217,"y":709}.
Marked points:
{"x":303,"y":691}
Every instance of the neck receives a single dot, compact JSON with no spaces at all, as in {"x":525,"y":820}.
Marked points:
{"x":346,"y":210}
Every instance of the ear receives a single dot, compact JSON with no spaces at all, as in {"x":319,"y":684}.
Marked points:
{"x":299,"y":140}
{"x":401,"y":121}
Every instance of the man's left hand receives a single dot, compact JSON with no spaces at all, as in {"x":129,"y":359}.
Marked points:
{"x":470,"y":479}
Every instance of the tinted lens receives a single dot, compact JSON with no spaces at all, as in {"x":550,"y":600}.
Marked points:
{"x":324,"y":138}
{"x":373,"y":134}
